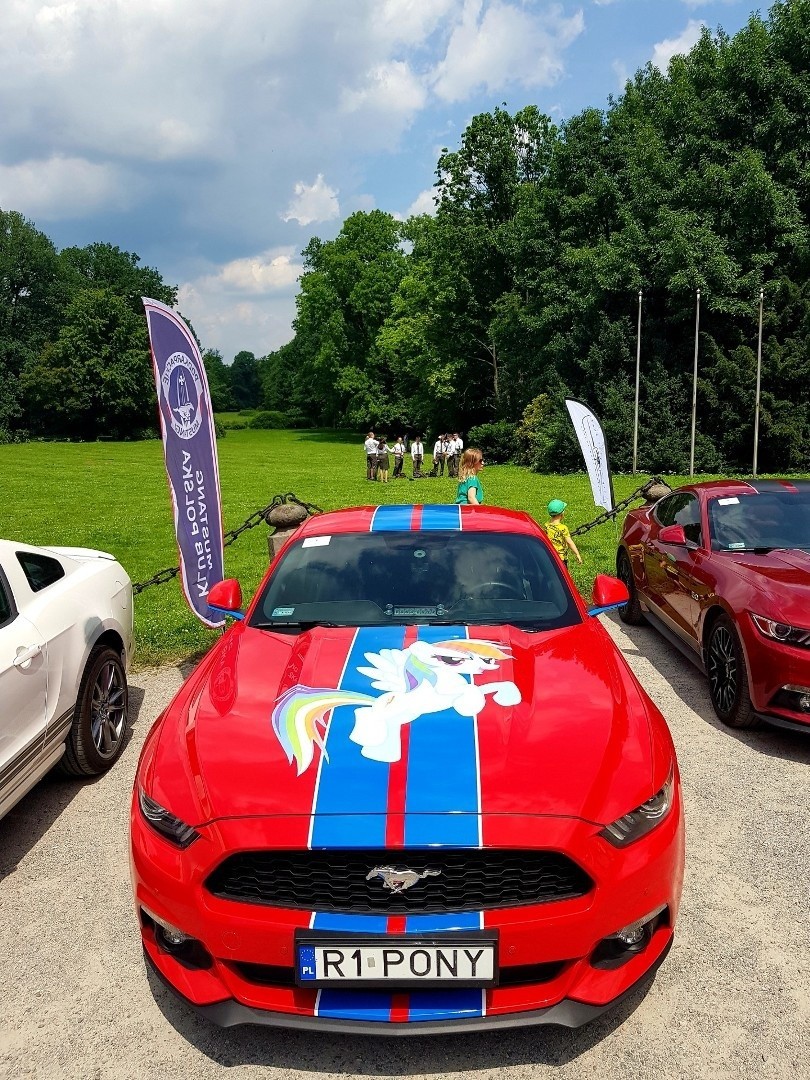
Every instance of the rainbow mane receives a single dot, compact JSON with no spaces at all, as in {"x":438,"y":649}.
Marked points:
{"x":299,"y":720}
{"x":476,"y":648}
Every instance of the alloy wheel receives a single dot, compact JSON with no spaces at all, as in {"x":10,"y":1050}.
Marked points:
{"x":723,"y":669}
{"x":108,"y":709}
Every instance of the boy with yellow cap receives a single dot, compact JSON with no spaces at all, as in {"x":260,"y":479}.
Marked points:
{"x":558,"y":533}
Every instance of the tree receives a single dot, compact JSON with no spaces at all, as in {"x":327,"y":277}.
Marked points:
{"x":244,"y":378}
{"x":219,"y":381}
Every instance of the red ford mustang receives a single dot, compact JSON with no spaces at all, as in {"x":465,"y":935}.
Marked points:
{"x":722,"y":569}
{"x":414,"y":788}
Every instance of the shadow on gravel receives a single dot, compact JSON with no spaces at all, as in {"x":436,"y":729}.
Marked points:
{"x":691,"y":687}
{"x":31,"y":818}
{"x":414,"y":1055}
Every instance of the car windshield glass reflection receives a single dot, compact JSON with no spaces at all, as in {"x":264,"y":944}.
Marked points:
{"x":376,"y":579}
{"x":768,"y":520}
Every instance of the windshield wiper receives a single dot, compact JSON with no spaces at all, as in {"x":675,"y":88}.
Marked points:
{"x":284,"y":624}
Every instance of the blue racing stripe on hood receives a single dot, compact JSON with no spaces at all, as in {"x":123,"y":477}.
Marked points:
{"x":442,"y":807}
{"x":439,"y":517}
{"x":350,"y":812}
{"x":392,"y":519}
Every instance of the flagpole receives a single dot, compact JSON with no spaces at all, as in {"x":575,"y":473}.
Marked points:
{"x":694,"y":388}
{"x":759,"y":374}
{"x":638,"y":368}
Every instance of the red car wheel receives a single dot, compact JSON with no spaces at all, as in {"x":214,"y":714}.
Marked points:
{"x":728,"y":676}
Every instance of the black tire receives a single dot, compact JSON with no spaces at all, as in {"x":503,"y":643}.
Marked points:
{"x":630,"y":612}
{"x":98,"y":732}
{"x":728,"y":676}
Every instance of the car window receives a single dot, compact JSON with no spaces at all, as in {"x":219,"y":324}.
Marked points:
{"x":768,"y":519}
{"x":7,"y":610}
{"x":40,"y":570}
{"x":437,"y":577}
{"x":682,"y":508}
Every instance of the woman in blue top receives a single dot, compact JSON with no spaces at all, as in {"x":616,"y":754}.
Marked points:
{"x":469,"y":486}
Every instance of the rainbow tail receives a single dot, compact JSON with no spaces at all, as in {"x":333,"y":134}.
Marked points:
{"x":299,"y":720}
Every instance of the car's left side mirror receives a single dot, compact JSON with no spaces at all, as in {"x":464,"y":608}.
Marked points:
{"x":226,"y":596}
{"x":608,"y":592}
{"x":672,"y":534}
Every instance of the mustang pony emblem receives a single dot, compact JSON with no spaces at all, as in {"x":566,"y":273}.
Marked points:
{"x":424,"y":678}
{"x":399,"y":880}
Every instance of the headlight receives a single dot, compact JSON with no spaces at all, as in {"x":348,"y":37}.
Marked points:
{"x":166,"y":824}
{"x":643,"y":819}
{"x":779,"y":631}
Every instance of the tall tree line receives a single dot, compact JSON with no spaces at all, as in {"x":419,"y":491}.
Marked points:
{"x":523,"y":287}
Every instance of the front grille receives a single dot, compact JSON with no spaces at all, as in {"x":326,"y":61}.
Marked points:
{"x":336,"y":881}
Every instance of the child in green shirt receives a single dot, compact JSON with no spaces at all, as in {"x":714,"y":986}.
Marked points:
{"x":558,"y":533}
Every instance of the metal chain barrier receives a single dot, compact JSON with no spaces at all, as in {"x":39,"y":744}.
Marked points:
{"x":639,"y":493}
{"x":255,"y":519}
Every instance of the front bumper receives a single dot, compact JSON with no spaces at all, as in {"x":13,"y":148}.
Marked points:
{"x":771,"y":667}
{"x":251,"y":947}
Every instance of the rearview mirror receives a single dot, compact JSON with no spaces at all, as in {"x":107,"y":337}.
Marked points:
{"x":226,"y":596}
{"x":608,"y":592}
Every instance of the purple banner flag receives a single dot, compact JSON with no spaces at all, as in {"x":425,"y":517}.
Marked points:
{"x":190,"y":451}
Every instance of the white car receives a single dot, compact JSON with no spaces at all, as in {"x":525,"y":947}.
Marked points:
{"x":65,"y":646}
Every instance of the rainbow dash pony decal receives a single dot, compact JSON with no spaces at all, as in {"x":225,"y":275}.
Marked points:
{"x":424,"y":678}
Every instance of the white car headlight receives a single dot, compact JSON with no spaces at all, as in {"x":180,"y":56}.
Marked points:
{"x":779,"y":631}
{"x":630,"y":827}
{"x":169,"y":826}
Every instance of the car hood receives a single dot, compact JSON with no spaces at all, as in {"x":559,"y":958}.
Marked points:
{"x":564,"y":729}
{"x":782,"y":578}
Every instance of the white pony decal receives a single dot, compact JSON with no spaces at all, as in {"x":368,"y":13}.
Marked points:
{"x":424,"y":678}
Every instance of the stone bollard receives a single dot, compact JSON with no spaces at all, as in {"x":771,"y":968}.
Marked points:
{"x":284,"y":519}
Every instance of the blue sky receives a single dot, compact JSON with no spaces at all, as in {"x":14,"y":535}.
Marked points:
{"x":215,"y":138}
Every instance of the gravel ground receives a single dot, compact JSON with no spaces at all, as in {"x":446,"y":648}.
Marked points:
{"x":732,"y":1000}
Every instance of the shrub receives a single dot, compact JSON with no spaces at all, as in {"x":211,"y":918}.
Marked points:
{"x":220,"y":431}
{"x":497,"y":442}
{"x":268,"y":420}
{"x":297,"y":420}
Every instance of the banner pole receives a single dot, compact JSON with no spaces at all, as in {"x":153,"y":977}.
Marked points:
{"x":759,"y":375}
{"x":694,"y":388}
{"x":638,"y":368}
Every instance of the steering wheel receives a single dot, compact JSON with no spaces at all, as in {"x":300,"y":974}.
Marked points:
{"x":511,"y":590}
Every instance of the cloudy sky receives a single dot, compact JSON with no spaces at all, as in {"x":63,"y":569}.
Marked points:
{"x":215,"y":137}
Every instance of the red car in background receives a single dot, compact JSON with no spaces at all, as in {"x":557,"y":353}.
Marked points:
{"x":414,"y":788}
{"x":722,"y":569}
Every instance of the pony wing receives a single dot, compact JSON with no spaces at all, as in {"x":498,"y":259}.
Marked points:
{"x":387,"y":671}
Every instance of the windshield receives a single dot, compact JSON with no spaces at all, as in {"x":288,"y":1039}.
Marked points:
{"x":377,"y":579}
{"x":767,"y":520}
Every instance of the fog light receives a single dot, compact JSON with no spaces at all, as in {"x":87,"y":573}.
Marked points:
{"x":170,"y":934}
{"x":632,"y":934}
{"x":804,"y":702}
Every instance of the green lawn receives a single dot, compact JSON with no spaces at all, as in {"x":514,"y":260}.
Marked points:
{"x":115,"y":496}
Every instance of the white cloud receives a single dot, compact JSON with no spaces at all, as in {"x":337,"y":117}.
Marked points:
{"x":313,"y":203}
{"x":250,"y":301}
{"x":390,"y":87}
{"x":663,"y":51}
{"x":424,"y":203}
{"x":505,"y":44}
{"x":60,"y":188}
{"x":705,"y":3}
{"x":620,"y":70}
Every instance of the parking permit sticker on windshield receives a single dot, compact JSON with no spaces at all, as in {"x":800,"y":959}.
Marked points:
{"x":316,"y":541}
{"x":732,"y":501}
{"x":281,"y":612}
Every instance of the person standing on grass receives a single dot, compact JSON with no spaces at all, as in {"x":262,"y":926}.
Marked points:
{"x":439,"y":455}
{"x":383,"y":463}
{"x":399,"y":455}
{"x":417,"y":453}
{"x":469,"y":488}
{"x":454,"y":454}
{"x":370,"y":447}
{"x":558,"y":533}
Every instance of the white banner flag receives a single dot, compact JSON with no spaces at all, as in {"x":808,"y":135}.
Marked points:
{"x":594,"y":450}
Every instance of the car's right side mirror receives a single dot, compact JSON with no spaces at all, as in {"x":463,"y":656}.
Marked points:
{"x":226,"y":596}
{"x":608,"y":592}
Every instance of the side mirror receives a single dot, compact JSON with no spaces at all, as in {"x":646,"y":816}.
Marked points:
{"x":672,"y":534}
{"x":226,"y":596}
{"x":608,"y":592}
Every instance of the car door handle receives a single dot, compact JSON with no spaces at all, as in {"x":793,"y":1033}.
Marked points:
{"x":25,"y":656}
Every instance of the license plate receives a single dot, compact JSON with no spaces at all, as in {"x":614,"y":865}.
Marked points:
{"x":463,"y":960}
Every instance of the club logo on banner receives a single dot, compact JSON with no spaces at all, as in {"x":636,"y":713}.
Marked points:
{"x":190,"y":453}
{"x":594,"y":450}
